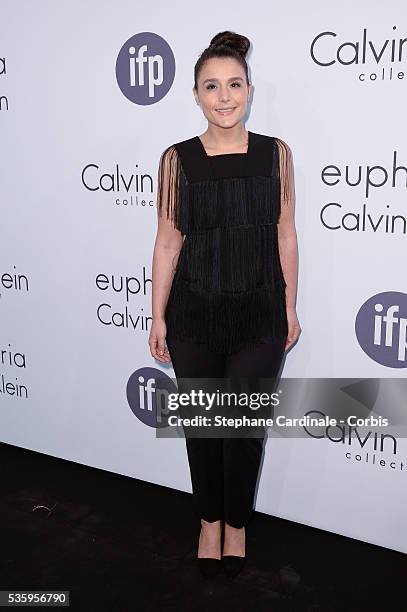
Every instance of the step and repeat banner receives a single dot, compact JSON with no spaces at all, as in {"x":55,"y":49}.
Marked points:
{"x":90,"y":96}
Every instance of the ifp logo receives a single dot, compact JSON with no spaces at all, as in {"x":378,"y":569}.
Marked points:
{"x":145,"y":68}
{"x":147,"y":394}
{"x":381,"y":328}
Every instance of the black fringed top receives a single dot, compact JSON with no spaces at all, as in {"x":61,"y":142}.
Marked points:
{"x":228,"y":289}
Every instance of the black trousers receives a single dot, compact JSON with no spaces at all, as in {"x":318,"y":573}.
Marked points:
{"x":224,"y":471}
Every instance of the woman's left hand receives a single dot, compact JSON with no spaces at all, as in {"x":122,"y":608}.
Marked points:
{"x":294,"y":328}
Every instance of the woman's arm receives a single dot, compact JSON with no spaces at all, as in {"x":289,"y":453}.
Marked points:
{"x":287,"y":239}
{"x":167,"y":247}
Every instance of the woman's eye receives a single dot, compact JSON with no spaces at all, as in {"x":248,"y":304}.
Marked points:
{"x":212,"y":85}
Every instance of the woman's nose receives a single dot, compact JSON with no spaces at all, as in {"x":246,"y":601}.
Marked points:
{"x":224,"y":95}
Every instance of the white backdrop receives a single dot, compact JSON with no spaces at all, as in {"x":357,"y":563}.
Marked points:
{"x":75,"y":269}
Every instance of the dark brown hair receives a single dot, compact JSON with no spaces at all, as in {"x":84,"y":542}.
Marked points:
{"x":224,"y":44}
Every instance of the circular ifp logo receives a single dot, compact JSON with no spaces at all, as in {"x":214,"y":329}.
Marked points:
{"x":145,"y":68}
{"x":381,"y":328}
{"x":147,"y":394}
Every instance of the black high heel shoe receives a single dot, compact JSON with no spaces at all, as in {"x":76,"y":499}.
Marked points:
{"x":232,"y":565}
{"x":209,"y":567}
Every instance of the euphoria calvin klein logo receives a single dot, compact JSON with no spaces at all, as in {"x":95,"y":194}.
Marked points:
{"x":147,"y":392}
{"x":381,"y":328}
{"x":145,"y":68}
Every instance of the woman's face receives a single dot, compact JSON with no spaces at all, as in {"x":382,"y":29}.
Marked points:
{"x":223,"y":91}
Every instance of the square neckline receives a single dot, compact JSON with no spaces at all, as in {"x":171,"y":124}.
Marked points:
{"x":249,"y":139}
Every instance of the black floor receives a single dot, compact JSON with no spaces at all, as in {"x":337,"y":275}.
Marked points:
{"x":120,"y":544}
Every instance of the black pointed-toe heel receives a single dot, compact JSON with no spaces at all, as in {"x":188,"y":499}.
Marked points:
{"x":209,"y":567}
{"x":232,"y":565}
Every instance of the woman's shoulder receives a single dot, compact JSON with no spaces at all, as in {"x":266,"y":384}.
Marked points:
{"x":178,"y":150}
{"x":269,"y":139}
{"x":278,"y":145}
{"x":182,"y":143}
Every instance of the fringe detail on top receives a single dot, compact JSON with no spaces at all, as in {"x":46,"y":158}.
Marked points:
{"x":172,"y":188}
{"x":285,"y":172}
{"x":206,"y":204}
{"x":226,"y":323}
{"x":231,"y":201}
{"x":229,"y":289}
{"x":231,"y":259}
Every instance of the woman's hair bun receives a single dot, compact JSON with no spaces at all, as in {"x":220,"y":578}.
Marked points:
{"x":224,"y":44}
{"x":230,"y":39}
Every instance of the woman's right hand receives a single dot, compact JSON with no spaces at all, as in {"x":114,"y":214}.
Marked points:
{"x":156,"y":341}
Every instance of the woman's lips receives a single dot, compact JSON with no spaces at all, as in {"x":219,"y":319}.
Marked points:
{"x":228,"y":112}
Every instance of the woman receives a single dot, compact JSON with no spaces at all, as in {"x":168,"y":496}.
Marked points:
{"x":224,"y":280}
